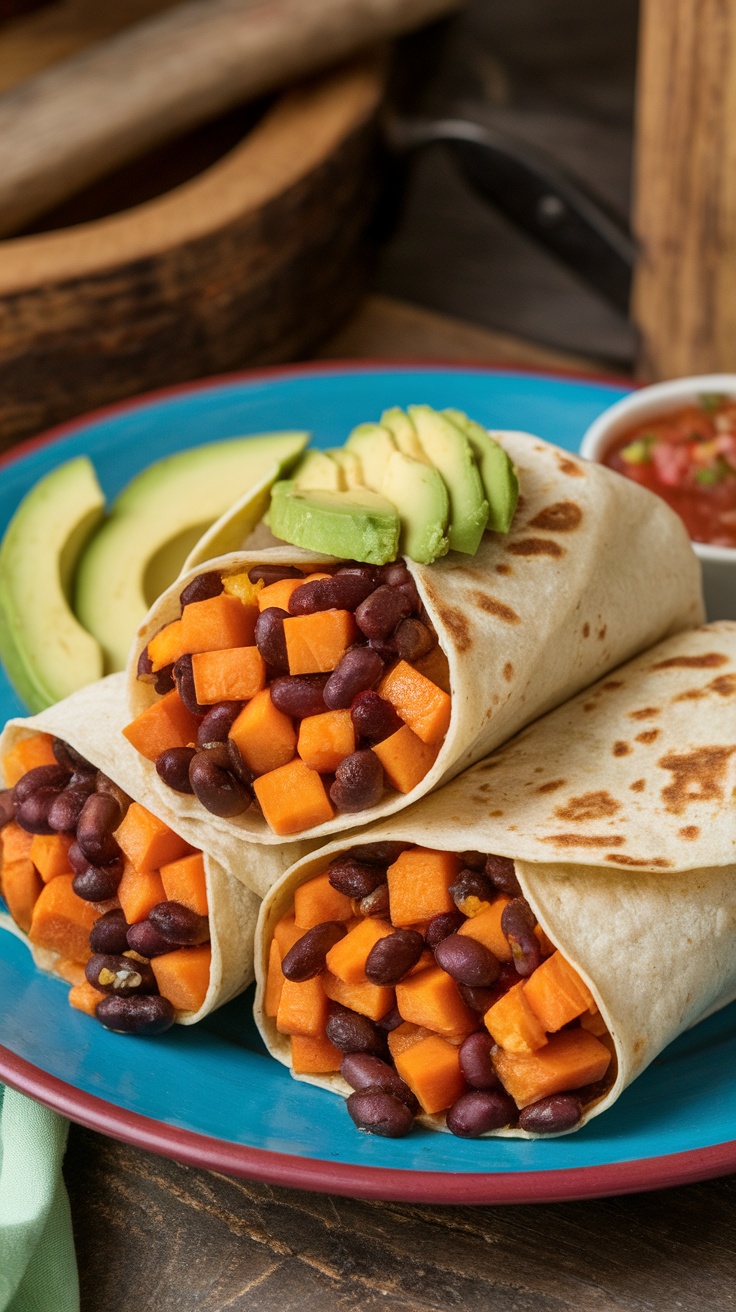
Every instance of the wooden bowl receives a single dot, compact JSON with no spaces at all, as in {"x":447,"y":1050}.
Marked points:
{"x":253,"y":261}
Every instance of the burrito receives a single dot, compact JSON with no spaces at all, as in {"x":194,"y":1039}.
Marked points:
{"x":147,"y":928}
{"x":334,"y":692}
{"x":508,"y":956}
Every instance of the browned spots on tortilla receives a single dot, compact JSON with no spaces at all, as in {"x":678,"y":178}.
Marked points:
{"x":504,"y":569}
{"x":645,"y":713}
{"x":648,"y":736}
{"x":508,"y":671}
{"x":689,"y":831}
{"x":455,"y":621}
{"x":692,"y":695}
{"x":621,"y":748}
{"x":590,"y":706}
{"x":495,"y":813}
{"x":585,"y":840}
{"x":484,"y":788}
{"x":710,"y":660}
{"x":639,"y":1046}
{"x":638,"y":785}
{"x":589,"y":806}
{"x":570,"y":467}
{"x":659,"y":862}
{"x":551,"y":786}
{"x":724,"y":685}
{"x":610,"y":685}
{"x":697,"y":776}
{"x":562,"y":517}
{"x":602,"y":633}
{"x":492,"y":606}
{"x":535,"y":547}
{"x":586,"y":630}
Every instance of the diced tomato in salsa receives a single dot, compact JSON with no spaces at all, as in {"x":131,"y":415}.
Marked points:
{"x":688,"y":458}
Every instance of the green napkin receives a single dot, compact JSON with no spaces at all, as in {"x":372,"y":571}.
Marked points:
{"x":38,"y":1272}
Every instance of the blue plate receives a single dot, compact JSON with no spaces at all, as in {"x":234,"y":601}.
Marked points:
{"x":209,"y":1095}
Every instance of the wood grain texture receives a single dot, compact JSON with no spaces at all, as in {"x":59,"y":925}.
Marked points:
{"x":160,"y":1237}
{"x":685,"y":187}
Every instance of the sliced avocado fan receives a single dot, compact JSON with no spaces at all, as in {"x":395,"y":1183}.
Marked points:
{"x":500,"y":481}
{"x":354,"y":525}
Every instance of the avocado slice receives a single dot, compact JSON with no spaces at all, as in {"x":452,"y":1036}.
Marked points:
{"x":350,"y":465}
{"x":318,"y":469}
{"x":373,"y":445}
{"x":158,"y":520}
{"x":403,"y":432}
{"x":500,"y":481}
{"x":420,"y":496}
{"x":46,"y":652}
{"x":450,"y":452}
{"x":354,"y":525}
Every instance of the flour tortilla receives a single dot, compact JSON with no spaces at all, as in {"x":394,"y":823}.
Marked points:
{"x":649,"y":922}
{"x":594,"y":570}
{"x":91,"y":721}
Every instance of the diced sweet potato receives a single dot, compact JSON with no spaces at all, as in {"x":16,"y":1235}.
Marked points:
{"x":274,"y":980}
{"x":372,"y":1000}
{"x":486,"y":928}
{"x":569,"y":1060}
{"x":26,"y":755}
{"x":147,"y":842}
{"x":316,"y":643}
{"x":21,"y":888}
{"x":420,"y":703}
{"x":71,"y":971}
{"x":167,"y":723}
{"x":314,"y":1056}
{"x":278,"y":594}
{"x":218,"y":623}
{"x":16,"y":843}
{"x":234,"y":674}
{"x":61,"y":921}
{"x":347,"y":958}
{"x":435,"y":666}
{"x":431,"y":1068}
{"x":287,"y":932}
{"x":50,"y":855}
{"x":513,"y":1024}
{"x":432,"y":999}
{"x":404,"y":1036}
{"x":303,"y":1008}
{"x":183,"y":976}
{"x":418,"y":885}
{"x":266,"y":738}
{"x":316,"y":901}
{"x":85,"y":997}
{"x":185,"y":881}
{"x":325,"y":740}
{"x":594,"y":1023}
{"x":545,"y":943}
{"x":556,"y":993}
{"x":139,"y":891}
{"x":405,"y":759}
{"x":293,"y":798}
{"x":425,"y":961}
{"x":167,"y":646}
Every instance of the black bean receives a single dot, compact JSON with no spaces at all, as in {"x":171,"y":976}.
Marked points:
{"x":120,"y":975}
{"x":385,"y":648}
{"x":363,"y":1071}
{"x":340,"y":592}
{"x":146,"y":940}
{"x":551,"y":1115}
{"x":376,"y":1112}
{"x":307,"y":957}
{"x":395,"y":574}
{"x":33,"y":814}
{"x":179,"y":924}
{"x":471,"y":883}
{"x":78,"y":862}
{"x":298,"y":695}
{"x":379,"y":614}
{"x":480,"y":1111}
{"x":184,"y":679}
{"x":7,"y":810}
{"x":202,"y":588}
{"x":475,"y":1061}
{"x":100,"y":816}
{"x":144,"y":669}
{"x":237,"y":765}
{"x":480,"y":999}
{"x":269,"y":574}
{"x":369,"y":572}
{"x":359,"y":669}
{"x":66,"y":808}
{"x":354,"y":878}
{"x":43,"y":776}
{"x":373,"y":717}
{"x":137,"y":1014}
{"x":98,"y":883}
{"x":109,"y":934}
{"x":439,"y":927}
{"x":518,"y":924}
{"x":467,"y":960}
{"x":472,"y":860}
{"x":377,"y":903}
{"x":107,"y":786}
{"x":217,"y":754}
{"x":218,"y":790}
{"x":70,"y":758}
{"x":390,"y":1021}
{"x":270,"y":638}
{"x":393,"y":956}
{"x":173,"y":767}
{"x":502,"y":874}
{"x":358,"y":782}
{"x":383,"y":854}
{"x":218,"y":722}
{"x":350,"y":1032}
{"x":413,"y":640}
{"x":163,"y":680}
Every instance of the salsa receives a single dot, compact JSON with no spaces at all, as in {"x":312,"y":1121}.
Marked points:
{"x":688,"y":457}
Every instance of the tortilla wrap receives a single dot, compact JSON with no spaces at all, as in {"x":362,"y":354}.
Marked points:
{"x":594,"y":570}
{"x":90,"y":721}
{"x":627,"y":857}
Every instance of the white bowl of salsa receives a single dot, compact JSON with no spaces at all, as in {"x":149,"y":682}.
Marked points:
{"x":679,"y":440}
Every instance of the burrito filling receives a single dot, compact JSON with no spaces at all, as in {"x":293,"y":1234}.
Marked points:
{"x":299,"y":694}
{"x":423,"y":978}
{"x":113,"y":901}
